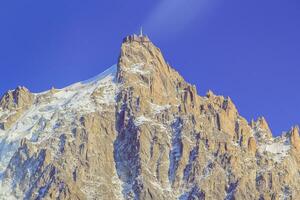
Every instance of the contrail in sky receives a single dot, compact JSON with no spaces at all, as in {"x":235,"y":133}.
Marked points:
{"x":173,"y":16}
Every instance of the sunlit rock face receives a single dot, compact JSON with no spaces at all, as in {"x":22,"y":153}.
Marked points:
{"x":139,"y":131}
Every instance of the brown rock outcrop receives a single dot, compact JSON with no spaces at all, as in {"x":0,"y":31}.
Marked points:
{"x":16,"y":99}
{"x":294,"y":137}
{"x":252,"y":145}
{"x":14,"y":102}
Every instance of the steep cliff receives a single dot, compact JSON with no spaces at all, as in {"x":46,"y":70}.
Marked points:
{"x":139,"y":131}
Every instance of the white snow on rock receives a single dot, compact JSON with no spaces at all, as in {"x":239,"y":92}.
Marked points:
{"x":159,"y":108}
{"x":278,"y":148}
{"x":141,"y":120}
{"x":138,"y":68}
{"x":5,"y":192}
{"x":54,"y":108}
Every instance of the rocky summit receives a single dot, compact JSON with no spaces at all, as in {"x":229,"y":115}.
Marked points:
{"x":139,"y":131}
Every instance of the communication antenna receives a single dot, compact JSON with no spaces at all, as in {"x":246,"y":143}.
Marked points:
{"x":141,"y":32}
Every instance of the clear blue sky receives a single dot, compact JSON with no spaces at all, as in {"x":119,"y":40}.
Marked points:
{"x":248,"y":50}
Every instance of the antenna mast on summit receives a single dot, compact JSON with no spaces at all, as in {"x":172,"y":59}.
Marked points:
{"x":141,"y":32}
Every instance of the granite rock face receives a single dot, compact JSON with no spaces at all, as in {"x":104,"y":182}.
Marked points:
{"x":140,"y":131}
{"x":13,"y":104}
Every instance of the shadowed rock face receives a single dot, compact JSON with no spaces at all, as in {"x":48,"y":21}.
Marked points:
{"x":139,"y":131}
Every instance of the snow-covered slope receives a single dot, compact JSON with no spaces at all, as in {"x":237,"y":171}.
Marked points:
{"x":53,"y":108}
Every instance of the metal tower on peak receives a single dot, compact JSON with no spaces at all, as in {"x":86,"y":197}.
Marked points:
{"x":141,"y":32}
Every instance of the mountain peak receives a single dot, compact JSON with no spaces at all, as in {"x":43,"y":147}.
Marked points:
{"x":140,"y":57}
{"x":139,"y":131}
{"x":136,"y":38}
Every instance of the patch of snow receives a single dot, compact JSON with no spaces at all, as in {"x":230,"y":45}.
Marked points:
{"x":158,"y":108}
{"x":278,"y":148}
{"x":6,"y":192}
{"x":141,"y":120}
{"x":7,"y":150}
{"x":138,"y":68}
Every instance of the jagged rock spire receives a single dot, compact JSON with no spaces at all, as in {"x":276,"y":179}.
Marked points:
{"x":17,"y":98}
{"x":294,"y":137}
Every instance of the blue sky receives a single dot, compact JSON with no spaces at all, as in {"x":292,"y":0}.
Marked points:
{"x":248,"y":50}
